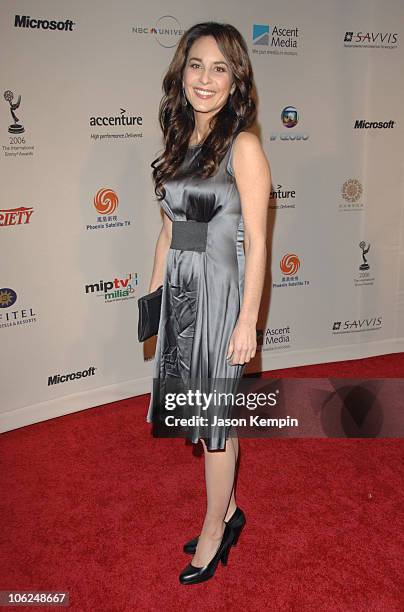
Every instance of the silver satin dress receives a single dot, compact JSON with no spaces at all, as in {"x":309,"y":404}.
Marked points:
{"x":202,"y":290}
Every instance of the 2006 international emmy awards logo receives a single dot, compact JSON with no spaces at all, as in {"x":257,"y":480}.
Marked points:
{"x":16,"y":127}
{"x":365,"y":278}
{"x":17,"y":145}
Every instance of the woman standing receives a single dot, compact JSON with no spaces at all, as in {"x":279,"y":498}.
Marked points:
{"x":213,"y":181}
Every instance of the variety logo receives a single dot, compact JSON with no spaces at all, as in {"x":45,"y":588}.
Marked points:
{"x":364,"y":278}
{"x":10,"y":318}
{"x":289,"y":118}
{"x":357,"y":325}
{"x":351,"y":192}
{"x":380,"y":40}
{"x":15,"y":216}
{"x":115,"y":290}
{"x":281,"y":198}
{"x":25,"y":21}
{"x":273,"y":339}
{"x":56,"y":379}
{"x":362,"y":124}
{"x":105,"y":203}
{"x":289,"y":265}
{"x":166,"y":31}
{"x":274,"y":40}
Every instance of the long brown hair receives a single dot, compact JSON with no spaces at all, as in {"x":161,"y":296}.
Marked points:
{"x":177,"y":121}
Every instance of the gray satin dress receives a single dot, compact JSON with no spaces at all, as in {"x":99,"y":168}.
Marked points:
{"x":202,"y":290}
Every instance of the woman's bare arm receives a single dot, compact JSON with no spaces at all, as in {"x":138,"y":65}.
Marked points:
{"x":253,"y":178}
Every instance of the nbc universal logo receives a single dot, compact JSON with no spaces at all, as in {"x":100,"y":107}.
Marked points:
{"x":166,"y":31}
{"x":17,"y":145}
{"x":289,"y":266}
{"x":106,"y":203}
{"x":274,"y":39}
{"x":289,"y":118}
{"x":115,"y":290}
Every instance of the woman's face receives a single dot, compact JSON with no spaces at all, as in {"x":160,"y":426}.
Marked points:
{"x":207,"y":77}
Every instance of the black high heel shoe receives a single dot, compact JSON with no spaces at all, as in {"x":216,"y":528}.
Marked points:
{"x":236,"y":522}
{"x":192,"y":575}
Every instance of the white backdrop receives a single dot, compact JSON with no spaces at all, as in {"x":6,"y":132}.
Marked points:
{"x":79,"y":220}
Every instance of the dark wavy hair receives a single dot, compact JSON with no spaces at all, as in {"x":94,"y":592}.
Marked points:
{"x":177,"y":121}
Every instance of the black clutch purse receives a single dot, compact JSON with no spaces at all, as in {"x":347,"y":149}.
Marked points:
{"x":149,"y":314}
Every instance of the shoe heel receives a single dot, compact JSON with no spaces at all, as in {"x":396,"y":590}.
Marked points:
{"x":236,"y":532}
{"x":225,"y":555}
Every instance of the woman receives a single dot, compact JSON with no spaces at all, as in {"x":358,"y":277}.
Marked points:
{"x":213,"y":181}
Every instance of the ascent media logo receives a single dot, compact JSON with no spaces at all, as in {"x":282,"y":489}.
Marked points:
{"x":273,"y":338}
{"x":15,"y":216}
{"x":274,"y":40}
{"x":115,"y":290}
{"x":25,"y":21}
{"x":56,"y":379}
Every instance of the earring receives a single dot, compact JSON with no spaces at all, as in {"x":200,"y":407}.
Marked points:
{"x":184,"y":100}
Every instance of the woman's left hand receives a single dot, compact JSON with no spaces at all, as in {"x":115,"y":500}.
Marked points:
{"x":243,"y":343}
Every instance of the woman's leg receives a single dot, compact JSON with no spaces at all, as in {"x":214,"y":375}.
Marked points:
{"x":219,"y":477}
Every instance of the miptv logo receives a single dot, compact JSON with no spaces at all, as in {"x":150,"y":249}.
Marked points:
{"x":106,"y":201}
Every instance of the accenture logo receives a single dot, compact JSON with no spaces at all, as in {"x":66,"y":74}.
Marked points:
{"x":25,"y":21}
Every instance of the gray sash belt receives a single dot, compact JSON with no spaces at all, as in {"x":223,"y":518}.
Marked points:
{"x":189,"y":235}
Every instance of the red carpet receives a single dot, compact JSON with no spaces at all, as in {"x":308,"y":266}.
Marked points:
{"x":93,"y":505}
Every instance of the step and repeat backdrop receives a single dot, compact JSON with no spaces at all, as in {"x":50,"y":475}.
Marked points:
{"x":81,"y":85}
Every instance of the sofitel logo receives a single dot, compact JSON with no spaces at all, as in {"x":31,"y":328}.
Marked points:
{"x":105,"y":203}
{"x":289,"y":118}
{"x":15,"y":216}
{"x":10,"y":318}
{"x":289,"y":265}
